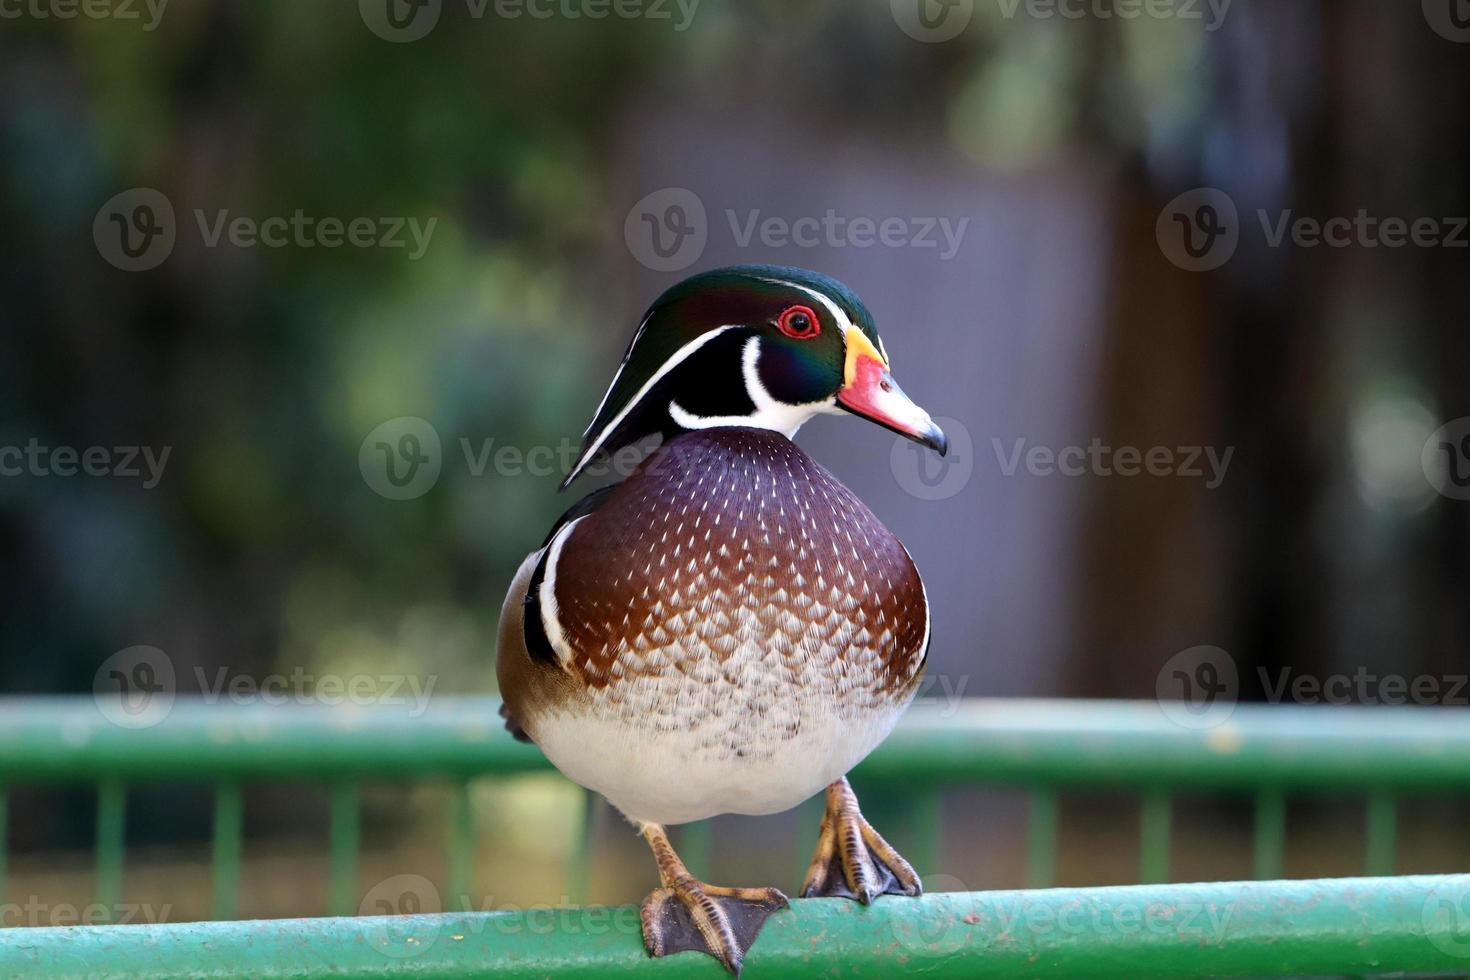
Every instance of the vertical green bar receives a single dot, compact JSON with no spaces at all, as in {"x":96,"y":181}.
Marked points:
{"x":111,"y":813}
{"x":808,"y":827}
{"x":1155,"y":837}
{"x":228,"y":821}
{"x":579,"y":870}
{"x":1382,"y":833}
{"x":1041,"y":838}
{"x":459,"y":877}
{"x":4,"y":847}
{"x":694,"y":848}
{"x":1270,"y":834}
{"x":925,"y":855}
{"x":342,"y":880}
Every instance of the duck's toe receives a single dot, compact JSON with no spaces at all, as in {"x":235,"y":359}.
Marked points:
{"x":723,"y":922}
{"x":852,"y":859}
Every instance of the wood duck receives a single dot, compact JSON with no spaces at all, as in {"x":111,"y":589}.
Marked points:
{"x":729,"y":629}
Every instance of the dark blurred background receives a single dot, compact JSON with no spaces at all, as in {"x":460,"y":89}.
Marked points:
{"x":1123,"y":189}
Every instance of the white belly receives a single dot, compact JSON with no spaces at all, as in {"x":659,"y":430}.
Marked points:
{"x":746,"y":737}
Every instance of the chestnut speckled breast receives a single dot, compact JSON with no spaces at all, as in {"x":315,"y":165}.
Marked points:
{"x":730,"y":609}
{"x":732,"y":537}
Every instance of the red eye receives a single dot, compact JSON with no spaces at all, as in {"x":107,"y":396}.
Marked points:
{"x":800,"y":322}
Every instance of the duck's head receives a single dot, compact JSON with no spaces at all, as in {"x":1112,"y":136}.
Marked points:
{"x":752,"y":345}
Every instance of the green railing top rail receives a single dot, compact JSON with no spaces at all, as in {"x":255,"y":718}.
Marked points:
{"x":1266,"y":928}
{"x":1041,"y":747}
{"x":1029,"y":742}
{"x":1349,"y":926}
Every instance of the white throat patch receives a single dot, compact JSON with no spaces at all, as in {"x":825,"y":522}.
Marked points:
{"x":769,"y":413}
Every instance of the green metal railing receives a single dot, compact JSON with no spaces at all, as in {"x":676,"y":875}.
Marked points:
{"x":1343,"y":926}
{"x":1043,"y":747}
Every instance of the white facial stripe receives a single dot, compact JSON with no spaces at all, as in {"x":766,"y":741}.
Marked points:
{"x":820,"y":297}
{"x":678,"y":357}
{"x":837,"y":313}
{"x":769,"y":413}
{"x":555,"y":635}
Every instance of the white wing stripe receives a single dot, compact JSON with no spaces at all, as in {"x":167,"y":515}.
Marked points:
{"x":555,"y":635}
